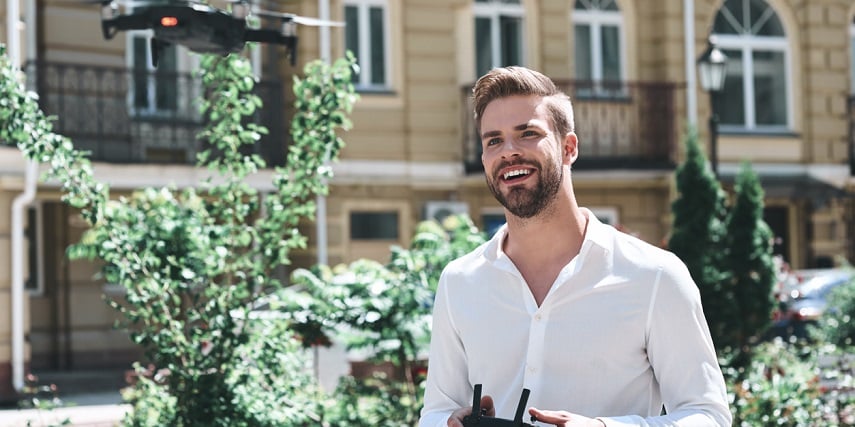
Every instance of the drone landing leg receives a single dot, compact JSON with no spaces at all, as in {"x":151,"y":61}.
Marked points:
{"x":156,"y":48}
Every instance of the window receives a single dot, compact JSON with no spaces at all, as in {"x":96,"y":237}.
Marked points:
{"x":492,"y":221}
{"x":852,"y":57}
{"x":153,"y":89}
{"x":34,"y":233}
{"x":374,"y":225}
{"x":756,"y":94}
{"x":598,"y":36}
{"x":366,"y":35}
{"x":498,"y":34}
{"x":606,"y":215}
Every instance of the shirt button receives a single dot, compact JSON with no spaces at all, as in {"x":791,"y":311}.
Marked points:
{"x":538,"y":317}
{"x":531,"y":369}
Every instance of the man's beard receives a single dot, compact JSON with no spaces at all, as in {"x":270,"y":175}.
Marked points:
{"x":524,"y":202}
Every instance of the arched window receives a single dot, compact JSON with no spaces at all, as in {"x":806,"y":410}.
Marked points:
{"x":757,"y":88}
{"x":498,"y":34}
{"x":598,"y":35}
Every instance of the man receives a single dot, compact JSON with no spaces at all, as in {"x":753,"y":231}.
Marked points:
{"x":604,"y":329}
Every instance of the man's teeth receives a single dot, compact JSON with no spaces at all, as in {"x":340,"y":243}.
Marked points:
{"x":516,"y":173}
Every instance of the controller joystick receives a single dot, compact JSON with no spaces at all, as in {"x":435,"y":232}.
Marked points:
{"x":479,"y":419}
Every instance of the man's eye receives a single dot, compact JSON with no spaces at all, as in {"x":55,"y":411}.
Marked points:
{"x":529,"y":133}
{"x":493,"y":141}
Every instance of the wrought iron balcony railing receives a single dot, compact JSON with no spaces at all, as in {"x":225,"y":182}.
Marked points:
{"x":136,"y":116}
{"x":621,"y":125}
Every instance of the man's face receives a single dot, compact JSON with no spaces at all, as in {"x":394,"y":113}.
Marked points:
{"x":523,"y":159}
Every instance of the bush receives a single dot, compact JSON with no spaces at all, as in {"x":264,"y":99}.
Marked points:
{"x":782,"y":386}
{"x":837,"y":324}
{"x":384,"y":309}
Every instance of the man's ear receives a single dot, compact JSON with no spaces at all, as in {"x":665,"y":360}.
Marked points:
{"x":570,"y":148}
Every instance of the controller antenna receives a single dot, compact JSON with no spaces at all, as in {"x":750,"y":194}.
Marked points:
{"x":476,"y":401}
{"x":521,"y":407}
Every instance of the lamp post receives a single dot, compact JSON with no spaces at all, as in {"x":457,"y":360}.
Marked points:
{"x":712,"y":68}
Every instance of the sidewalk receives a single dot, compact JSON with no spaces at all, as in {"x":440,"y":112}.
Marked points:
{"x":89,"y":399}
{"x":92,"y":398}
{"x":82,"y":416}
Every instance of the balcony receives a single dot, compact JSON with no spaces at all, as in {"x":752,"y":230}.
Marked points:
{"x":124,"y":115}
{"x":622,"y":125}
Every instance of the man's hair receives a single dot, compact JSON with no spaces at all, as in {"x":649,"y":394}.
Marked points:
{"x":509,"y":81}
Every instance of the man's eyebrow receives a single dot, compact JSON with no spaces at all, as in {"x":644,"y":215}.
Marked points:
{"x":492,"y":133}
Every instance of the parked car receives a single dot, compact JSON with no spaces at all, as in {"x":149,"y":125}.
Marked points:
{"x":807,"y":300}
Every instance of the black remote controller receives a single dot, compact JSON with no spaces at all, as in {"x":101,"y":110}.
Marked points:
{"x":476,"y":418}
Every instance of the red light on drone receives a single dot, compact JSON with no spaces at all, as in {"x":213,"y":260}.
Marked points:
{"x":168,"y":21}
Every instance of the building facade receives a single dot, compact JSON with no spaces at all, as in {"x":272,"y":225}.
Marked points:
{"x":628,"y":65}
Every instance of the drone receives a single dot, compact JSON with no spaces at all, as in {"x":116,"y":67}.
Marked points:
{"x":202,"y":28}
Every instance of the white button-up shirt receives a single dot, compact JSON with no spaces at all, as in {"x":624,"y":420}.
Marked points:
{"x":620,"y":334}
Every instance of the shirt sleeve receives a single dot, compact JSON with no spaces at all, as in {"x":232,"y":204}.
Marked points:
{"x":682,"y":355}
{"x":447,"y":388}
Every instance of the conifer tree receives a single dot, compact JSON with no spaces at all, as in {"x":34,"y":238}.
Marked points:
{"x":698,"y":238}
{"x":750,"y":257}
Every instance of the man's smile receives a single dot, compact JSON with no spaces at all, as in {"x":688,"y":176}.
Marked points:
{"x":515,"y":173}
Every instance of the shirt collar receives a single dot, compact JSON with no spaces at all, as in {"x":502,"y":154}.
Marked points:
{"x":596,"y":234}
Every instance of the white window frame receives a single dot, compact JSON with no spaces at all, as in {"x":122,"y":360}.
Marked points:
{"x":184,"y":63}
{"x":596,"y":19}
{"x":494,"y":11}
{"x":747,"y":44}
{"x":365,"y":48}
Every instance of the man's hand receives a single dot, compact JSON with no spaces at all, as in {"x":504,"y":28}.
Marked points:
{"x":456,"y":418}
{"x":564,"y":419}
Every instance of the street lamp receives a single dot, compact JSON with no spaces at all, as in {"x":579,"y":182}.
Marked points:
{"x":712,"y":68}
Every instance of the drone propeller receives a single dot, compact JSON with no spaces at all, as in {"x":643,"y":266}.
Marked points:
{"x":302,"y":20}
{"x":125,"y":3}
{"x":200,"y":26}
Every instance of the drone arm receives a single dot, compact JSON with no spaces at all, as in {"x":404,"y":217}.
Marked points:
{"x":111,"y":26}
{"x":264,"y":35}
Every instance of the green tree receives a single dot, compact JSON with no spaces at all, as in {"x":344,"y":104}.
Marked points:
{"x":698,"y":238}
{"x":750,"y":259}
{"x":194,"y":264}
{"x":384,"y":309}
{"x":24,"y":124}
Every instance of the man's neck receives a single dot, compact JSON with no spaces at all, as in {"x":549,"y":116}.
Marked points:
{"x":541,"y":247}
{"x":558,"y":229}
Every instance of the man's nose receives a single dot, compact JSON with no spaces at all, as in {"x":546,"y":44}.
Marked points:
{"x":510,"y":148}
